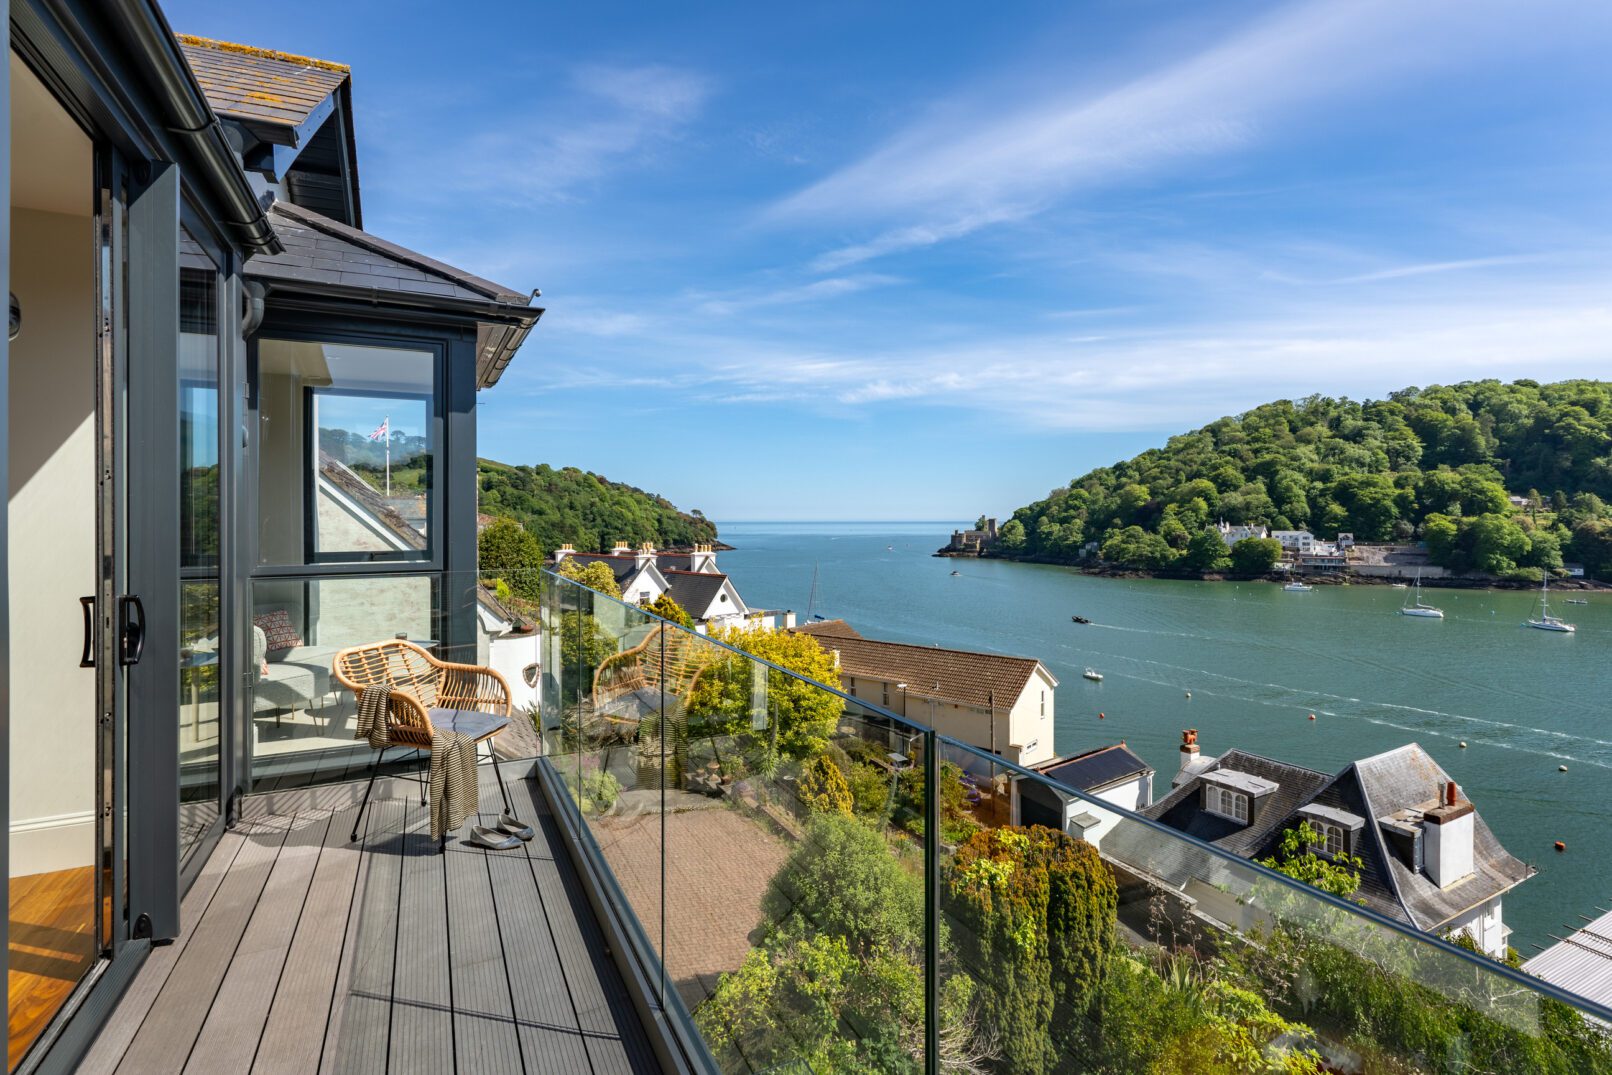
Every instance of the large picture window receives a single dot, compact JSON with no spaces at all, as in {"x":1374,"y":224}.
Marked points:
{"x":347,"y":451}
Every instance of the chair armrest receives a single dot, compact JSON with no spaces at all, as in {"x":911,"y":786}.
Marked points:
{"x":409,"y":720}
{"x":473,"y":686}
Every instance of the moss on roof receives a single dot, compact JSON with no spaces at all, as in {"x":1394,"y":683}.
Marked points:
{"x":261,"y":53}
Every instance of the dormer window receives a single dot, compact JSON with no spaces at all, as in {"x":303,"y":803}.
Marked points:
{"x":1336,"y":830}
{"x":1331,"y":837}
{"x":1235,"y":795}
{"x":1226,"y":803}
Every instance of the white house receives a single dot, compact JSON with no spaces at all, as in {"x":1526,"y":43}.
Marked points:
{"x":1231,"y":535}
{"x":1301,"y":541}
{"x":1428,"y":859}
{"x":1000,"y":704}
{"x":692,"y":579}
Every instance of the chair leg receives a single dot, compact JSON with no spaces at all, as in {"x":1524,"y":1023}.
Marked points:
{"x":502,"y":790}
{"x":374,"y":766}
{"x":424,"y":778}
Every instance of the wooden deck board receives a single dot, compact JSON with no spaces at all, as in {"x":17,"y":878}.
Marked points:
{"x":288,"y":1045}
{"x":230,"y":1036}
{"x":175,"y":1020}
{"x":306,"y":951}
{"x":422,"y":1001}
{"x":614,"y":1038}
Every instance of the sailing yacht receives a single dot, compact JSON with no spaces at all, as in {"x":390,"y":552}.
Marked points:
{"x":1415,"y":606}
{"x":1547,"y":622}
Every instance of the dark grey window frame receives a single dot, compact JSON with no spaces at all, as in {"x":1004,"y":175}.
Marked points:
{"x":329,"y":328}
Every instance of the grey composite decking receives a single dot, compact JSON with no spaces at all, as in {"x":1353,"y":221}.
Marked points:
{"x":303,"y":951}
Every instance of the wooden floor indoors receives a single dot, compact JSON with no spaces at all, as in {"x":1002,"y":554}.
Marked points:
{"x":305,"y":952}
{"x":52,"y":942}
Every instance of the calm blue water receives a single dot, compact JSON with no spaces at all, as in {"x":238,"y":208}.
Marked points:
{"x":1258,"y":661}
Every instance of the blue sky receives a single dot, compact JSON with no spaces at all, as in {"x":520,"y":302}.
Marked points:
{"x":835,"y":260}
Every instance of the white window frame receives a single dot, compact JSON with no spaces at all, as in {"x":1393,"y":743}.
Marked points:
{"x":1227,"y":803}
{"x":1332,"y":840}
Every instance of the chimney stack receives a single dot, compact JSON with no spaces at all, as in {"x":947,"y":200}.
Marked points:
{"x":1448,"y":830}
{"x":621,"y":549}
{"x":1192,"y":763}
{"x":562,"y":552}
{"x":702,"y":559}
{"x":644,"y":556}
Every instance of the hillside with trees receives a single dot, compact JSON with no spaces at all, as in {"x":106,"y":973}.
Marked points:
{"x":1434,"y":464}
{"x":585,"y":509}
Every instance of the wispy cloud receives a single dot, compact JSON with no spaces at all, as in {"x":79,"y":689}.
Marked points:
{"x":1000,"y":153}
{"x":792,"y":295}
{"x":624,"y":116}
{"x":1428,"y":268}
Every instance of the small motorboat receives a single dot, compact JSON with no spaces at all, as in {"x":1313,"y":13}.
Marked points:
{"x":956,"y":573}
{"x":1078,"y":619}
{"x":1093,"y":675}
{"x":1577,"y":601}
{"x":1297,"y":587}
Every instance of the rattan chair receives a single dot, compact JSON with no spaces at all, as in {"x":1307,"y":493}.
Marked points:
{"x":427,"y":695}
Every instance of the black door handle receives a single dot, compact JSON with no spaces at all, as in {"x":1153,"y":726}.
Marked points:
{"x":133,"y":642}
{"x":88,"y":659}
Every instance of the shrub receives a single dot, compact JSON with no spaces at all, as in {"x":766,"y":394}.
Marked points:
{"x":823,"y":788}
{"x":870,"y":788}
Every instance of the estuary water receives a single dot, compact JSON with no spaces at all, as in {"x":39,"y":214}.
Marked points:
{"x":1258,"y":661}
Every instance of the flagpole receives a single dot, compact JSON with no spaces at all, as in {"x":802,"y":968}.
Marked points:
{"x":388,"y":424}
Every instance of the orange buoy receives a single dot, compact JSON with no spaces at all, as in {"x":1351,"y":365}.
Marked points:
{"x":1099,"y":716}
{"x":1560,"y":846}
{"x":1312,"y":716}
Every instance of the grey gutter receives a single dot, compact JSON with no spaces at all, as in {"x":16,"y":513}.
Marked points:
{"x":157,"y":56}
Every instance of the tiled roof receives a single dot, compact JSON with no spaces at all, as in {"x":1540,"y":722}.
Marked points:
{"x":827,"y":629}
{"x":1096,"y":769}
{"x":260,"y":86}
{"x":319,"y":250}
{"x":364,"y":494}
{"x":965,"y":677}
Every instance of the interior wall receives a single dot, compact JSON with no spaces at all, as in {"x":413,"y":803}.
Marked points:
{"x":52,"y":529}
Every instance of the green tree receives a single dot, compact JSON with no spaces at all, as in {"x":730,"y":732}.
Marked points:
{"x":1035,"y":913}
{"x":667,"y":609}
{"x":595,"y":575}
{"x":1011,"y":538}
{"x":506,"y":551}
{"x":1496,"y":543}
{"x":1295,"y":856}
{"x":1255,"y":556}
{"x":1206,"y":551}
{"x":805,"y":714}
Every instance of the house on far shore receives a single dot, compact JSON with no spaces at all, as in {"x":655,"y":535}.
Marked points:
{"x":690,"y":577}
{"x":1000,"y":704}
{"x":1231,"y":535}
{"x":1427,"y":857}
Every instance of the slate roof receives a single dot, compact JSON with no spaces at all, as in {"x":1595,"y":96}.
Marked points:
{"x":1096,"y":769}
{"x":1409,"y":776}
{"x":623,"y":567}
{"x":1372,"y":788}
{"x":695,"y":591}
{"x":348,"y":481}
{"x":319,"y":250}
{"x":323,"y":255}
{"x":1182,"y":809}
{"x":965,"y":677}
{"x":260,"y":86}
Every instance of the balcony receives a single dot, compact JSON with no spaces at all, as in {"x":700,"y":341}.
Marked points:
{"x":305,"y":952}
{"x":742,"y":870}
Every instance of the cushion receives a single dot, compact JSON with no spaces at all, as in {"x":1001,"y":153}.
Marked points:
{"x":467,"y":722}
{"x":277,"y":630}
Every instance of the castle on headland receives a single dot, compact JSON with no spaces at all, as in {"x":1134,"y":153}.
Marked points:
{"x":973,"y":542}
